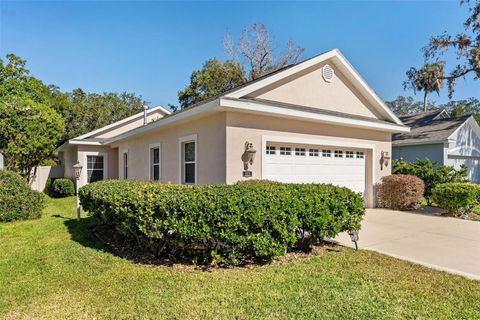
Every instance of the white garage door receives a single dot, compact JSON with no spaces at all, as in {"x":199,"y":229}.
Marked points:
{"x":294,"y":163}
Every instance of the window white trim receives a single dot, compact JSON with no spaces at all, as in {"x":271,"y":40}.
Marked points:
{"x":123,"y":152}
{"x":314,"y":152}
{"x":271,"y":150}
{"x":84,"y":174}
{"x":181,"y":142}
{"x":150,"y":164}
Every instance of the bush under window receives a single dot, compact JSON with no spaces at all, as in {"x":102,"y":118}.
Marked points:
{"x":226,"y":224}
{"x":17,"y":200}
{"x":456,"y":198}
{"x":400,"y":192}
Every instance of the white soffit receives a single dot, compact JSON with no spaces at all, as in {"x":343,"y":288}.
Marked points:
{"x":261,"y":108}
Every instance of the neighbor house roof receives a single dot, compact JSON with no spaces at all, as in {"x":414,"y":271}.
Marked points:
{"x":428,"y":127}
{"x":238,"y":94}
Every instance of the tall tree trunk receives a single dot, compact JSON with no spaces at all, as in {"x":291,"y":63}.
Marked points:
{"x":425,"y":101}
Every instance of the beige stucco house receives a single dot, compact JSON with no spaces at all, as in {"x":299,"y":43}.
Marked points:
{"x":315,"y":121}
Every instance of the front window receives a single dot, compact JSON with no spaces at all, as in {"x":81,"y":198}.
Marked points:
{"x":338,"y":154}
{"x":189,"y":162}
{"x":95,"y":168}
{"x":125,"y":165}
{"x":313,"y":153}
{"x":155,"y":163}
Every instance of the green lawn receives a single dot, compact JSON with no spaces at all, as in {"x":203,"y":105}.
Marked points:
{"x":54,"y":268}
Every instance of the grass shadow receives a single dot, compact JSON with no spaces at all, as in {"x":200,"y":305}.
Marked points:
{"x":82,"y":233}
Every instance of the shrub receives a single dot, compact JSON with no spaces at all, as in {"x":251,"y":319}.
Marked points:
{"x":227,"y":224}
{"x":430,"y":172}
{"x":17,"y":200}
{"x":48,"y":187}
{"x":62,"y":188}
{"x":477,"y":187}
{"x":257,"y":181}
{"x":400,"y":192}
{"x":456,"y":198}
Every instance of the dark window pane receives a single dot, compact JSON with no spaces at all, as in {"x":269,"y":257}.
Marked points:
{"x":189,"y":151}
{"x":94,"y":162}
{"x":189,"y":172}
{"x":156,"y":172}
{"x":94,"y":175}
{"x":155,"y":155}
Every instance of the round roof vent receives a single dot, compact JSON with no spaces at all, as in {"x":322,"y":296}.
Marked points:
{"x":328,"y":73}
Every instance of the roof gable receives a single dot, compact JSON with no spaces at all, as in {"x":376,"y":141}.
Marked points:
{"x":372,"y":103}
{"x":124,"y":125}
{"x":309,"y":88}
{"x":240,"y":99}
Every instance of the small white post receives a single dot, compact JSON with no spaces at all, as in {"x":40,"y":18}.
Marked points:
{"x":77,"y":169}
{"x":78,"y":202}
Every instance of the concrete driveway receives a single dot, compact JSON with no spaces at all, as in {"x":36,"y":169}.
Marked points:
{"x":443,"y":243}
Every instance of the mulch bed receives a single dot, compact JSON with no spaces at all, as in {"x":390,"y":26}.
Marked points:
{"x":136,"y":254}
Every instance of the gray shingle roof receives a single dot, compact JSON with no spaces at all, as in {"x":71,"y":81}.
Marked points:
{"x":312,"y":109}
{"x":425,"y":129}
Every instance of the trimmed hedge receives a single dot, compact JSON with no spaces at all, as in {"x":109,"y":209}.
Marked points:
{"x":62,"y":188}
{"x":17,"y":200}
{"x":226,"y":224}
{"x":400,"y":192}
{"x":430,"y":172}
{"x":456,"y":198}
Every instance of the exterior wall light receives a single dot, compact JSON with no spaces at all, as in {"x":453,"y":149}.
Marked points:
{"x":248,"y":158}
{"x":77,"y":169}
{"x":249,"y":155}
{"x":384,"y":159}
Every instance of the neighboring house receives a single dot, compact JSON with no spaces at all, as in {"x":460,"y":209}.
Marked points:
{"x":439,"y":137}
{"x":315,"y":121}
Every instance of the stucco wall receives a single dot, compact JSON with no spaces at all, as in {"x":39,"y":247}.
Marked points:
{"x":434,"y":152}
{"x":68,"y":157}
{"x":111,"y":162}
{"x":308,"y":88}
{"x":43,"y":174}
{"x":211,"y":134}
{"x":245,"y":127}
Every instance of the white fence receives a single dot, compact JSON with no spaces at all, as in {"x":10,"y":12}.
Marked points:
{"x":43,"y":173}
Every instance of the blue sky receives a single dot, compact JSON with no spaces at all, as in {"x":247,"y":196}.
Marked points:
{"x":151,"y":48}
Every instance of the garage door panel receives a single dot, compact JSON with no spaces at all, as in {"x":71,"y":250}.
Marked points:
{"x":341,"y":171}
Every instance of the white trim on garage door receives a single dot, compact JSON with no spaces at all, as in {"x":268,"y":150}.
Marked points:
{"x":337,"y":170}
